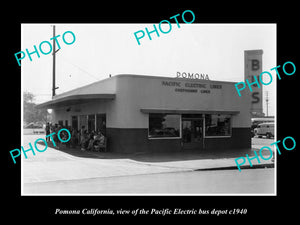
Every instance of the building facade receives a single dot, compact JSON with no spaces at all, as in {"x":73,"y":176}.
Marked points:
{"x":153,"y":114}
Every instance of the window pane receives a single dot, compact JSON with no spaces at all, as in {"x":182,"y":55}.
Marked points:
{"x":75,"y":122}
{"x":164,"y":125}
{"x":217,"y":125}
{"x":60,"y":122}
{"x":101,"y":123}
{"x":91,"y":122}
{"x":83,"y":122}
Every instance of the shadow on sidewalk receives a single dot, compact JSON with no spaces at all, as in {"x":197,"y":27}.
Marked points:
{"x":158,"y":156}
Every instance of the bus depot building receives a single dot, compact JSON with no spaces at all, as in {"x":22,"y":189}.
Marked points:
{"x":140,"y":113}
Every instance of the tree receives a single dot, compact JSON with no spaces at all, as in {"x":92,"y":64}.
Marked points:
{"x":28,"y":97}
{"x":31,"y":113}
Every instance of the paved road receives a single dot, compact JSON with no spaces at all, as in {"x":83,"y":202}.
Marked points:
{"x":258,"y":143}
{"x":250,"y":181}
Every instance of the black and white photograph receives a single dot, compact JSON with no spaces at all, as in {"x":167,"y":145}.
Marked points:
{"x":138,"y":112}
{"x":153,"y":114}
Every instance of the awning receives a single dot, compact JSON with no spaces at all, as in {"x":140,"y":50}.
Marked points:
{"x":75,"y":99}
{"x":189,"y":111}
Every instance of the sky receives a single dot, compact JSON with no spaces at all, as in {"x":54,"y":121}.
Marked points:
{"x":103,"y":49}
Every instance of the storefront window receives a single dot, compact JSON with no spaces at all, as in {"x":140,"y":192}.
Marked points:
{"x":217,"y":125}
{"x":164,"y":125}
{"x":91,"y":122}
{"x":83,"y":122}
{"x":75,"y":122}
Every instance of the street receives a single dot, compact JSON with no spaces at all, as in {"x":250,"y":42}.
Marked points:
{"x":250,"y":181}
{"x":75,"y":172}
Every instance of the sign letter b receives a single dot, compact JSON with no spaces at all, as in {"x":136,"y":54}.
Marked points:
{"x":255,"y":64}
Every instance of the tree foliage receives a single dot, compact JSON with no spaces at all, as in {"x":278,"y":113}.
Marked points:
{"x":31,"y":113}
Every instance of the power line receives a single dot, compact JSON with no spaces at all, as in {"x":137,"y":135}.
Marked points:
{"x":41,"y":94}
{"x":78,"y":67}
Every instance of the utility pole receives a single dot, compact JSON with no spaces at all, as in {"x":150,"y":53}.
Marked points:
{"x":53,"y":69}
{"x":267,"y":102}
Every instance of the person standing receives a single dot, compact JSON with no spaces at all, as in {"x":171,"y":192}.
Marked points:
{"x":47,"y":132}
{"x":82,"y":138}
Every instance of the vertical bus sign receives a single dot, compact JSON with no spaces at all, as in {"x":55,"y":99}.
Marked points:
{"x":253,"y":68}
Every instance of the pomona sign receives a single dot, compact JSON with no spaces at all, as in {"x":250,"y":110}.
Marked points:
{"x":192,"y":75}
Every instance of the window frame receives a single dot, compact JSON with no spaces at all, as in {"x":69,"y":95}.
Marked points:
{"x":217,"y":136}
{"x":180,"y":127}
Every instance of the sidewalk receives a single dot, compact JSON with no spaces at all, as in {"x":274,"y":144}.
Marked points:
{"x":185,"y":160}
{"x":213,"y":160}
{"x":74,"y":164}
{"x":194,"y":160}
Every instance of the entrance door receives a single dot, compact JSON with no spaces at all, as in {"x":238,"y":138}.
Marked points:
{"x":192,"y":134}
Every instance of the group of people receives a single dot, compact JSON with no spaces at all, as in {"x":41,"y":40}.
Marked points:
{"x":54,"y":128}
{"x":92,"y":141}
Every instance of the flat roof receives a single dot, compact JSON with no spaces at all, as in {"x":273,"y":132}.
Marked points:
{"x":75,"y":99}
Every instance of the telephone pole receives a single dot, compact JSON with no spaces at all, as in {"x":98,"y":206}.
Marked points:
{"x":267,"y":102}
{"x":53,"y":69}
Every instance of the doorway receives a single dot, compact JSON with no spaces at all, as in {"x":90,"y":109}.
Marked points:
{"x":192,"y":133}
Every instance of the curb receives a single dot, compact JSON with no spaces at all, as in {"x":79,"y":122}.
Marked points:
{"x":257,"y":166}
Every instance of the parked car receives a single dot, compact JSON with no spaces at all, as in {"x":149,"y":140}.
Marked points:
{"x":34,"y":128}
{"x":252,"y":133}
{"x":264,"y":129}
{"x":33,"y":125}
